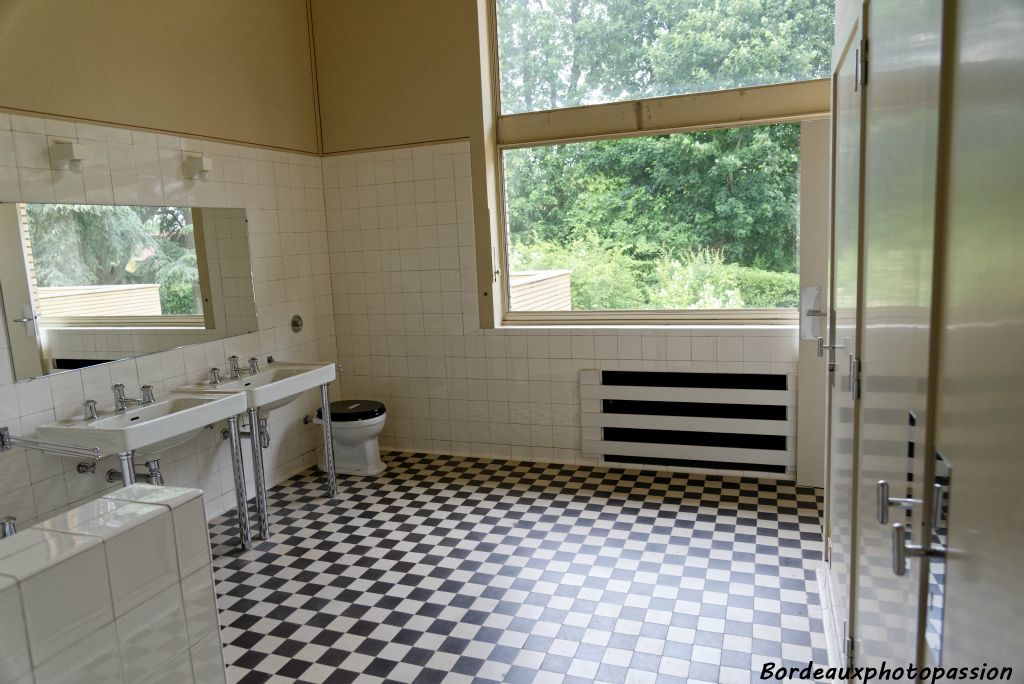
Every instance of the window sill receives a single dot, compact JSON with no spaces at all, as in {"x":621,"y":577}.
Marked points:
{"x":766,"y":319}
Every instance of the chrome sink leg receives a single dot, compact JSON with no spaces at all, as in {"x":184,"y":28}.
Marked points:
{"x":237,"y":469}
{"x":258,"y":476}
{"x":325,"y":407}
{"x":127,"y":467}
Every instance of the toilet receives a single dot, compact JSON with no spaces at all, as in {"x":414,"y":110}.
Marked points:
{"x":355,"y":426}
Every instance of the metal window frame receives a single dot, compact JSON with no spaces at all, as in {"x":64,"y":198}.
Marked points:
{"x":757,"y":105}
{"x":124,"y":322}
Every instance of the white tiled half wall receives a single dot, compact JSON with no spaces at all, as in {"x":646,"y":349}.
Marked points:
{"x":283,"y":198}
{"x":119,"y":589}
{"x":403,"y":265}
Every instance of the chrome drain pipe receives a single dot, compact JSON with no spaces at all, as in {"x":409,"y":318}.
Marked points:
{"x":153,"y":475}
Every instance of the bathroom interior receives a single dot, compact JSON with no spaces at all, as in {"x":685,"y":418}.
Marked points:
{"x":510,"y":340}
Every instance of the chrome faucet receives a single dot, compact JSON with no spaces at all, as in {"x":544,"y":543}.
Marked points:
{"x":8,"y":526}
{"x":236,"y":369}
{"x":89,"y":407}
{"x":214,"y":376}
{"x":121,"y":402}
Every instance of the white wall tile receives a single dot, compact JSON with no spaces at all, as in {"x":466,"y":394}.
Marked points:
{"x":14,"y":655}
{"x":152,"y":635}
{"x":140,"y":167}
{"x":421,"y":198}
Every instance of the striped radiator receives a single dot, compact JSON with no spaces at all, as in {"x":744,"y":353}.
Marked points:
{"x":693,"y":421}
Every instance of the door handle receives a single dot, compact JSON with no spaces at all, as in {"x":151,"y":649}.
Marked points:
{"x":884,"y":502}
{"x":901,"y":549}
{"x":937,"y":505}
{"x":822,"y":346}
{"x":27,"y":319}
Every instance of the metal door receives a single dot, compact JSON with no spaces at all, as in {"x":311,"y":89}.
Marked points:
{"x":901,"y":115}
{"x":979,"y":419}
{"x":842,"y":347}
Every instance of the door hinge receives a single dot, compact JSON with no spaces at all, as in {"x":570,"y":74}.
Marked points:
{"x":849,"y":652}
{"x":855,"y":365}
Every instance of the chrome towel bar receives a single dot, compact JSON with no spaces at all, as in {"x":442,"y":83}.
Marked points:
{"x":9,"y":441}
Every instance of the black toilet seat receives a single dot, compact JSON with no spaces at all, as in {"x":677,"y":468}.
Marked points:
{"x":348,"y":410}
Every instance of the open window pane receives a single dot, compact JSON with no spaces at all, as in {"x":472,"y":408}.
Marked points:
{"x":93,"y":261}
{"x":565,"y":53}
{"x":699,"y":220}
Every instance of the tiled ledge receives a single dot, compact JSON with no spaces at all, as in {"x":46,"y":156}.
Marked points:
{"x":119,"y":589}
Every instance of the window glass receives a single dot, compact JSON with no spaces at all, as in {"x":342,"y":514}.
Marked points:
{"x":91,"y":260}
{"x":698,"y":220}
{"x":565,"y":53}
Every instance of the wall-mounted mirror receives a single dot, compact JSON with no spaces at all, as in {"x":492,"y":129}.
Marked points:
{"x":88,"y":284}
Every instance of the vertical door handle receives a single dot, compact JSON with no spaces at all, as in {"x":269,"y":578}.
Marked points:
{"x":884,"y":502}
{"x":822,"y":346}
{"x":901,"y":549}
{"x":937,"y":506}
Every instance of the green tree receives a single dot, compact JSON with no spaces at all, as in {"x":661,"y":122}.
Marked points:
{"x":82,"y":244}
{"x":661,"y":199}
{"x":603,"y":277}
{"x":565,"y":53}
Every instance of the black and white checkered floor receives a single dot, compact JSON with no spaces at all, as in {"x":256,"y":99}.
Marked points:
{"x":446,"y":569}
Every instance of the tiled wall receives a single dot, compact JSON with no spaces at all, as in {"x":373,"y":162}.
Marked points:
{"x":390,"y":233}
{"x":283,"y":197}
{"x":404,"y":273}
{"x":119,"y":589}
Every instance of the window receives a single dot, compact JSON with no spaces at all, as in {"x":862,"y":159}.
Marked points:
{"x":110,"y":265}
{"x":566,"y":53}
{"x":701,"y":220}
{"x":650,"y":156}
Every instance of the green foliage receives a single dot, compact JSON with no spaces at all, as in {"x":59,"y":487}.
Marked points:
{"x":82,"y":244}
{"x":565,"y":53}
{"x":767,"y":289}
{"x":603,"y":277}
{"x":658,"y":208}
{"x":703,"y":280}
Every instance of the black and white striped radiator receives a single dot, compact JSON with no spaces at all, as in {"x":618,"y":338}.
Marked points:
{"x":735,"y":422}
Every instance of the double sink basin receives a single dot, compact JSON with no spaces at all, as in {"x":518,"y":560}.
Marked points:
{"x":180,"y":415}
{"x":148,"y":429}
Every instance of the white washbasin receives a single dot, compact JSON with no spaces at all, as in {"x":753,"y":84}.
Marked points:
{"x":171,"y":420}
{"x":278,"y":384}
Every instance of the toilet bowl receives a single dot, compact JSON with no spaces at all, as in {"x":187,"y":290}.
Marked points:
{"x":355,"y":426}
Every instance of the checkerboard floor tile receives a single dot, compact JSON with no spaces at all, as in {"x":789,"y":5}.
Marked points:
{"x":447,"y":569}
